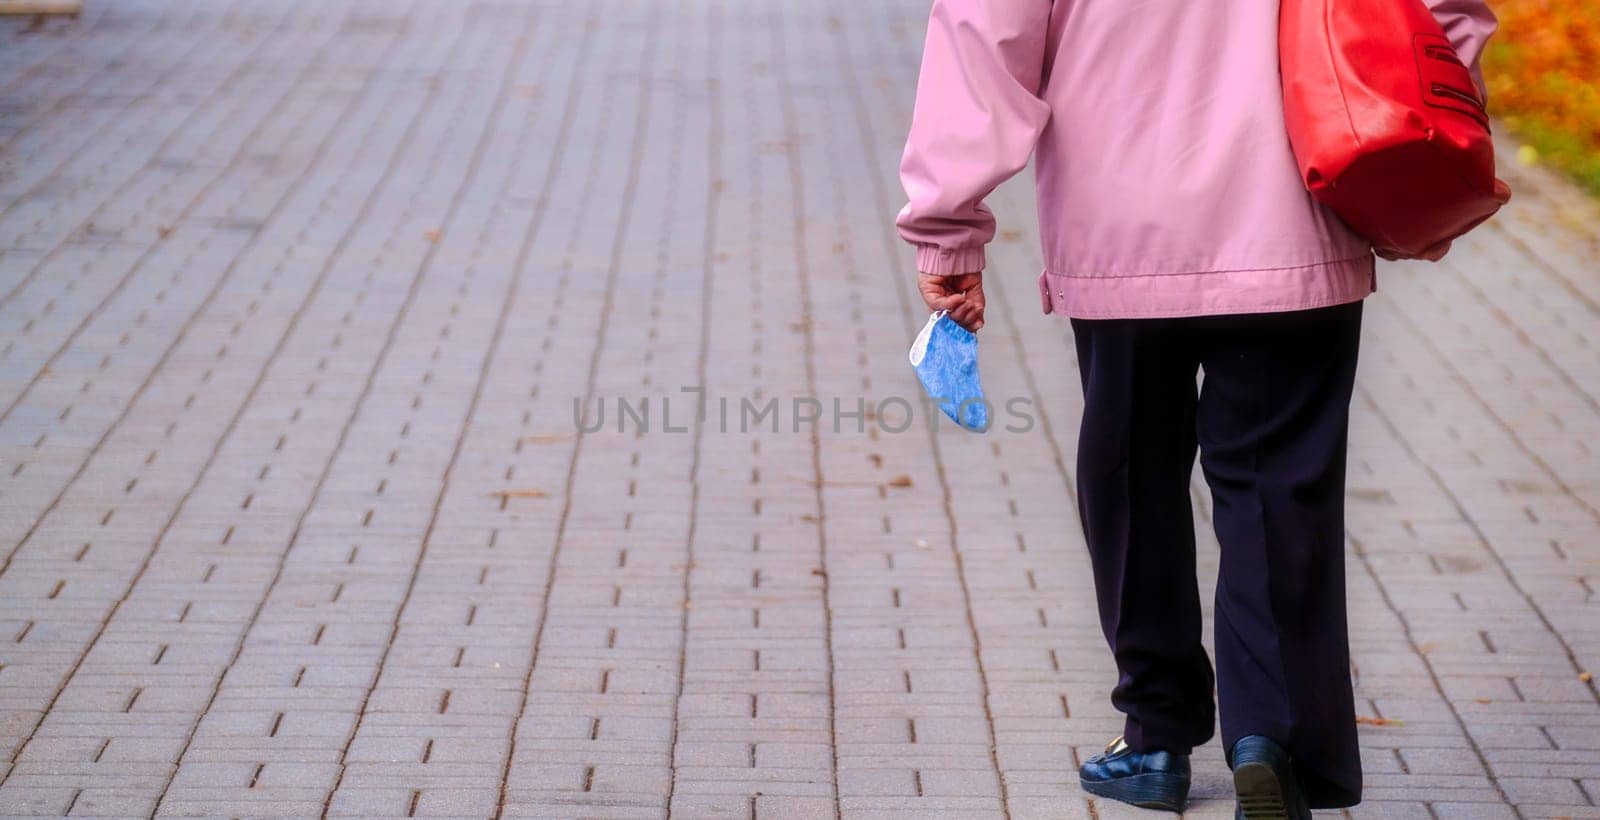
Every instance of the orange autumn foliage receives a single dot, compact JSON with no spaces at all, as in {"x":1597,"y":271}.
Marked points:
{"x":1543,"y":72}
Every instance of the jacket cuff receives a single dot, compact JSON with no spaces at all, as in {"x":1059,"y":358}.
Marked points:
{"x":936,"y":261}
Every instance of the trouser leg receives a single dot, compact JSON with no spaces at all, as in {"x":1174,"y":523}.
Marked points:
{"x":1273,"y":419}
{"x":1135,"y":455}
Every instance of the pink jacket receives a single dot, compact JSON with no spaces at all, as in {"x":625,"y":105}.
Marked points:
{"x":1166,"y":184}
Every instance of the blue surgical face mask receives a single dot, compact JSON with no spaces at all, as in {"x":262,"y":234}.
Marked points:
{"x":945,"y":356}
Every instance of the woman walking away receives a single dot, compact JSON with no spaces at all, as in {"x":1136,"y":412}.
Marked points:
{"x":1178,"y":237}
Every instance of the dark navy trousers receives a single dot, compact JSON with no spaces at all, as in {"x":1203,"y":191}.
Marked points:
{"x":1270,"y":423}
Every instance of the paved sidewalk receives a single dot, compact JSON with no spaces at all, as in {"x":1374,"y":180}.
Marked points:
{"x":297,"y":299}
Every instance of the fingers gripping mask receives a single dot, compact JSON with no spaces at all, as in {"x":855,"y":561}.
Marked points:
{"x":945,"y":356}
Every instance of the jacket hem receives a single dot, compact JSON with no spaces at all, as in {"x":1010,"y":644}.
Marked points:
{"x":1209,"y":293}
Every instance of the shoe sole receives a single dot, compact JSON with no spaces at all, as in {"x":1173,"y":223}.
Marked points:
{"x":1260,"y":793}
{"x":1147,"y":791}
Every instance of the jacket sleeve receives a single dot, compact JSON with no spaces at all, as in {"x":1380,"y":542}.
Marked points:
{"x":1469,"y":24}
{"x":977,"y":117}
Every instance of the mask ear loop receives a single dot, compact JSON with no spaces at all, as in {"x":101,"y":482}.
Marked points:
{"x":919,"y":348}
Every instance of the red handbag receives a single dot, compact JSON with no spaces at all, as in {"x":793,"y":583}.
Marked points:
{"x":1387,"y":126}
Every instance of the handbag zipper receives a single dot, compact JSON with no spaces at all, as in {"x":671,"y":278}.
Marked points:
{"x":1458,"y":95}
{"x":1442,"y":53}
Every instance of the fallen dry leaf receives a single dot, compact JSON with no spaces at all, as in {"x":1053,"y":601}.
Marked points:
{"x":520,"y":494}
{"x":1585,"y":677}
{"x":431,"y":236}
{"x":1378,"y":721}
{"x":897,"y":481}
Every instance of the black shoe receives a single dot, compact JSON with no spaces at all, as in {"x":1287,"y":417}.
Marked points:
{"x":1264,"y":782}
{"x":1151,"y":780}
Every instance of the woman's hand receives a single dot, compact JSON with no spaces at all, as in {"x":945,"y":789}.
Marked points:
{"x":961,"y":295}
{"x":1432,"y":254}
